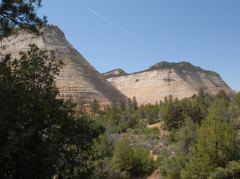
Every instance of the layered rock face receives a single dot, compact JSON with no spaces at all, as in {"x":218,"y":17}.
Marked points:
{"x":163,"y":79}
{"x":78,"y":80}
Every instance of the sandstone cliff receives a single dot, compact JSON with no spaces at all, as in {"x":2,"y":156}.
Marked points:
{"x":163,"y":79}
{"x":78,"y":80}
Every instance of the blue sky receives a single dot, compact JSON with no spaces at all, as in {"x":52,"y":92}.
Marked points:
{"x":134,"y":34}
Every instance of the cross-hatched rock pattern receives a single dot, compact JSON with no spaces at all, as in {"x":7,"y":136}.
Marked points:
{"x":78,"y":80}
{"x":180,"y":80}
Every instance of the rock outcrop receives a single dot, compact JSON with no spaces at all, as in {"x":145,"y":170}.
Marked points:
{"x":78,"y":80}
{"x":163,"y":79}
{"x":114,"y":73}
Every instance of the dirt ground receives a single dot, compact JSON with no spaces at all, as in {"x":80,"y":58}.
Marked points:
{"x":155,"y":175}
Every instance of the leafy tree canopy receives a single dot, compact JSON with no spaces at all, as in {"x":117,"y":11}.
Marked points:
{"x":40,"y":134}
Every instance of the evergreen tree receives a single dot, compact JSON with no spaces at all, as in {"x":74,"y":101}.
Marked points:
{"x":172,"y":113}
{"x":40,"y":134}
{"x":172,"y":164}
{"x":123,"y":156}
{"x":215,"y":146}
{"x":231,"y":171}
{"x":95,"y":107}
{"x":186,"y":137}
{"x":19,"y":13}
{"x":134,"y":104}
{"x":237,"y":104}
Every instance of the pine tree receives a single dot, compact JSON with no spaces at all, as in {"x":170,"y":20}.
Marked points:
{"x":95,"y":107}
{"x":19,"y":13}
{"x":40,"y":134}
{"x":134,"y":104}
{"x":215,"y":146}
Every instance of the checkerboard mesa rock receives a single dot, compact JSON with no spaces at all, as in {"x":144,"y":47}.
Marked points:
{"x":163,"y":79}
{"x":78,"y":80}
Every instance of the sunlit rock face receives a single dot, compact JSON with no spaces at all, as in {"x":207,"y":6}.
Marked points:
{"x":163,"y":79}
{"x":78,"y":80}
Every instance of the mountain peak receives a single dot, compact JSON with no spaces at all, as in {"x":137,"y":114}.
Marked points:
{"x":78,"y":80}
{"x":115,"y":73}
{"x":180,"y":80}
{"x":181,"y":66}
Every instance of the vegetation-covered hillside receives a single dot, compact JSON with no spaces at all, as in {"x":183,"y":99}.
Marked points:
{"x":201,"y":139}
{"x":181,"y":66}
{"x":114,"y":73}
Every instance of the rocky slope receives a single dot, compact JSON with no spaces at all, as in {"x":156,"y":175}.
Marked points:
{"x":78,"y":80}
{"x":163,"y":79}
{"x":114,"y":73}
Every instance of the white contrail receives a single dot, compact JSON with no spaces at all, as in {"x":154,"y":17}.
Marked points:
{"x":104,"y":18}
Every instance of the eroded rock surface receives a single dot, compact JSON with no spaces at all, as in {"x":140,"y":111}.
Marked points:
{"x":78,"y":80}
{"x":163,"y":79}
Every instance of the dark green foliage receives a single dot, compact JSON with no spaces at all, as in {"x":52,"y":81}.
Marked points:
{"x":199,"y":106}
{"x":118,"y":118}
{"x":123,"y":156}
{"x":231,"y":171}
{"x":189,"y":150}
{"x":172,"y":113}
{"x":171,"y":165}
{"x":103,"y":147}
{"x":149,"y":112}
{"x":95,"y":107}
{"x":121,"y":117}
{"x":182,"y":118}
{"x":134,"y":105}
{"x":104,"y":170}
{"x":186,"y":137}
{"x":181,"y":66}
{"x":19,"y":13}
{"x":40,"y":134}
{"x":196,"y":152}
{"x":201,"y":137}
{"x":143,"y":162}
{"x":216,"y":144}
{"x":236,"y":105}
{"x":133,"y":161}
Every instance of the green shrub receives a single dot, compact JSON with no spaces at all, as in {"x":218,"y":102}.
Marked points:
{"x":143,"y":162}
{"x":104,"y":169}
{"x":134,"y":161}
{"x":232,"y":171}
{"x":149,"y":132}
